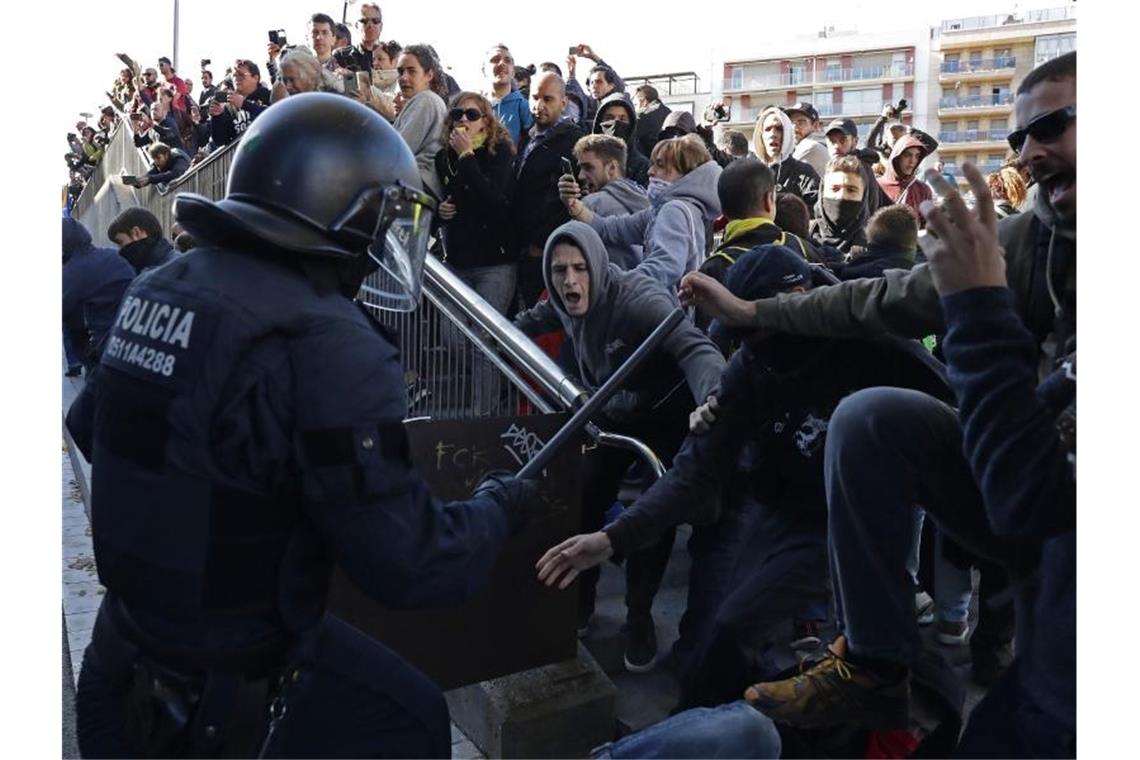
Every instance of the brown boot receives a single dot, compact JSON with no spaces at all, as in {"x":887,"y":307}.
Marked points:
{"x":834,"y":691}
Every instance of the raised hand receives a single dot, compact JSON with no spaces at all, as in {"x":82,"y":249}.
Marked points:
{"x":962,"y":245}
{"x":698,"y":289}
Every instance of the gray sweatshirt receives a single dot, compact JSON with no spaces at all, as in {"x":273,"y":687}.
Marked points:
{"x":673,"y":230}
{"x":624,"y":307}
{"x":622,"y":196}
{"x":420,"y":123}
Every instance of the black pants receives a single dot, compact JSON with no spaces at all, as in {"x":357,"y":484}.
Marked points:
{"x":1006,"y":724}
{"x":602,"y":471}
{"x":354,"y":698}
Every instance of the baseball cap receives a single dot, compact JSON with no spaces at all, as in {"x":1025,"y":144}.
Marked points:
{"x":844,"y":125}
{"x":807,"y":109}
{"x":762,"y":272}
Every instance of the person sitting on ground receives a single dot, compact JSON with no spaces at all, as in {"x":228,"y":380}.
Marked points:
{"x":608,"y":313}
{"x":510,"y":104}
{"x":608,"y":192}
{"x":1008,"y":191}
{"x":421,"y":119}
{"x":138,"y":234}
{"x":674,"y":230}
{"x":842,"y":211}
{"x":616,"y":117}
{"x":901,"y":180}
{"x":892,"y":243}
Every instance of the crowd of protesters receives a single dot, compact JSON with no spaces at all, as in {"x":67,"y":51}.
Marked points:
{"x":859,"y":377}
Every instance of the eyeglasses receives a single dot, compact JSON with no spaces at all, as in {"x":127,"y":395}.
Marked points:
{"x":374,"y":20}
{"x":1045,"y":128}
{"x":472,"y":114}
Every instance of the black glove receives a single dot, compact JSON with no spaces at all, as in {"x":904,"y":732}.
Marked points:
{"x":518,"y":497}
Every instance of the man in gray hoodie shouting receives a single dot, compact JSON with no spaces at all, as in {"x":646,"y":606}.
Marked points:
{"x":608,"y":313}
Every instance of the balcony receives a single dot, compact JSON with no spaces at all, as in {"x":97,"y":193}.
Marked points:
{"x":829,"y":76}
{"x":975,"y":102}
{"x":979,"y":65}
{"x":973,"y":135}
{"x":985,"y":168}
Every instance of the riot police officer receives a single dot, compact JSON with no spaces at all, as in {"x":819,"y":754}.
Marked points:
{"x":246,"y":434}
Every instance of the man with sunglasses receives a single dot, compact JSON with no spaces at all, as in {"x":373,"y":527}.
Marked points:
{"x":888,"y":451}
{"x":248,"y":437}
{"x":358,"y":57}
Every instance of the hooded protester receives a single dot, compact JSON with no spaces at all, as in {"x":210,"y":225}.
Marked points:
{"x":674,"y":230}
{"x":842,"y":211}
{"x":616,"y":117}
{"x":94,"y":280}
{"x":601,"y":173}
{"x":608,"y":313}
{"x":138,"y":234}
{"x":677,"y":124}
{"x":900,"y":181}
{"x":775,"y":141}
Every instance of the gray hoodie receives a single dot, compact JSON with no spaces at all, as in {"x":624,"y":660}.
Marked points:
{"x":624,"y":307}
{"x":420,"y":123}
{"x":622,"y":196}
{"x":673,"y":230}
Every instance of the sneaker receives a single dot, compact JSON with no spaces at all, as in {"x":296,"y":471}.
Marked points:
{"x":923,"y":608}
{"x":640,"y":646}
{"x":832,"y":692}
{"x":805,"y":635}
{"x":952,"y":634}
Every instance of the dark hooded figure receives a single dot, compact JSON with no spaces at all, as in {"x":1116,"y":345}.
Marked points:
{"x":900,"y":182}
{"x":842,"y":212}
{"x":617,"y":117}
{"x":677,"y":124}
{"x":94,"y":280}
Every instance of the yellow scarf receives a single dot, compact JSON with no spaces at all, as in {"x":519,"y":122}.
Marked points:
{"x":738,"y":227}
{"x":478,"y":140}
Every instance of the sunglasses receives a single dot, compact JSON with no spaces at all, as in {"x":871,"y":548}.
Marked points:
{"x":472,"y":114}
{"x":1045,"y":128}
{"x":373,"y":21}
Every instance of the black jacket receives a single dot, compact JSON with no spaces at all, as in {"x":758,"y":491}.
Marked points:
{"x":873,"y":262}
{"x":535,"y":207}
{"x":179,"y":165}
{"x":636,"y":164}
{"x":798,"y":178}
{"x":148,"y":253}
{"x":228,"y":125}
{"x":876,"y":198}
{"x":648,"y":127}
{"x":480,"y":186}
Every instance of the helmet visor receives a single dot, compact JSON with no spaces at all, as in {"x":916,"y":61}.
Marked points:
{"x":399,"y":247}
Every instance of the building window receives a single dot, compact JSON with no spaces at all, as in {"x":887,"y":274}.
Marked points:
{"x":1049,"y":47}
{"x":1000,"y":94}
{"x":972,"y":124}
{"x":833,"y":72}
{"x":736,"y":78}
{"x":951,"y":62}
{"x":864,"y":100}
{"x":999,"y":128}
{"x":798,"y":73}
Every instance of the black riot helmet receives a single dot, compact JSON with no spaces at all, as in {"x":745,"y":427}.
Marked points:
{"x":322,"y":177}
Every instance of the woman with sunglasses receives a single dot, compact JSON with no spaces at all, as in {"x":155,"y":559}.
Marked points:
{"x":475,"y":174}
{"x":474,"y":171}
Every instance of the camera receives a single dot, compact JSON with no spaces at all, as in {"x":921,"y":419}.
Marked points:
{"x":898,"y":108}
{"x":277,"y":37}
{"x":523,"y":73}
{"x":716,"y":112}
{"x":205,"y":62}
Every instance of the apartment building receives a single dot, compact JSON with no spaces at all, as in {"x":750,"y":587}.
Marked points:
{"x":844,"y":74}
{"x":681,"y":91}
{"x":978,"y":64}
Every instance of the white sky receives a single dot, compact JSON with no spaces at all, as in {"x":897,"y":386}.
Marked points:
{"x":697,"y":39}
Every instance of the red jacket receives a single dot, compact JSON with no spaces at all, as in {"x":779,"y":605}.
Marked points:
{"x":911,"y":190}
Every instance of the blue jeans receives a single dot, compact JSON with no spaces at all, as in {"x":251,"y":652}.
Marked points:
{"x":887,"y":450}
{"x":732,"y":730}
{"x":496,"y":285}
{"x":953,"y":586}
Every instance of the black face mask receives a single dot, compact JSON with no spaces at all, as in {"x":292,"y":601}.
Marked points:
{"x":615,"y":128}
{"x":842,"y":213}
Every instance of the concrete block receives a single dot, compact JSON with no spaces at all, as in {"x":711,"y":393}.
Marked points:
{"x":560,"y":710}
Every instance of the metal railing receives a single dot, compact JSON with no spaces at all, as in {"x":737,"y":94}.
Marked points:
{"x":976,"y":101}
{"x":462,"y":359}
{"x":977,"y":65}
{"x":973,"y":135}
